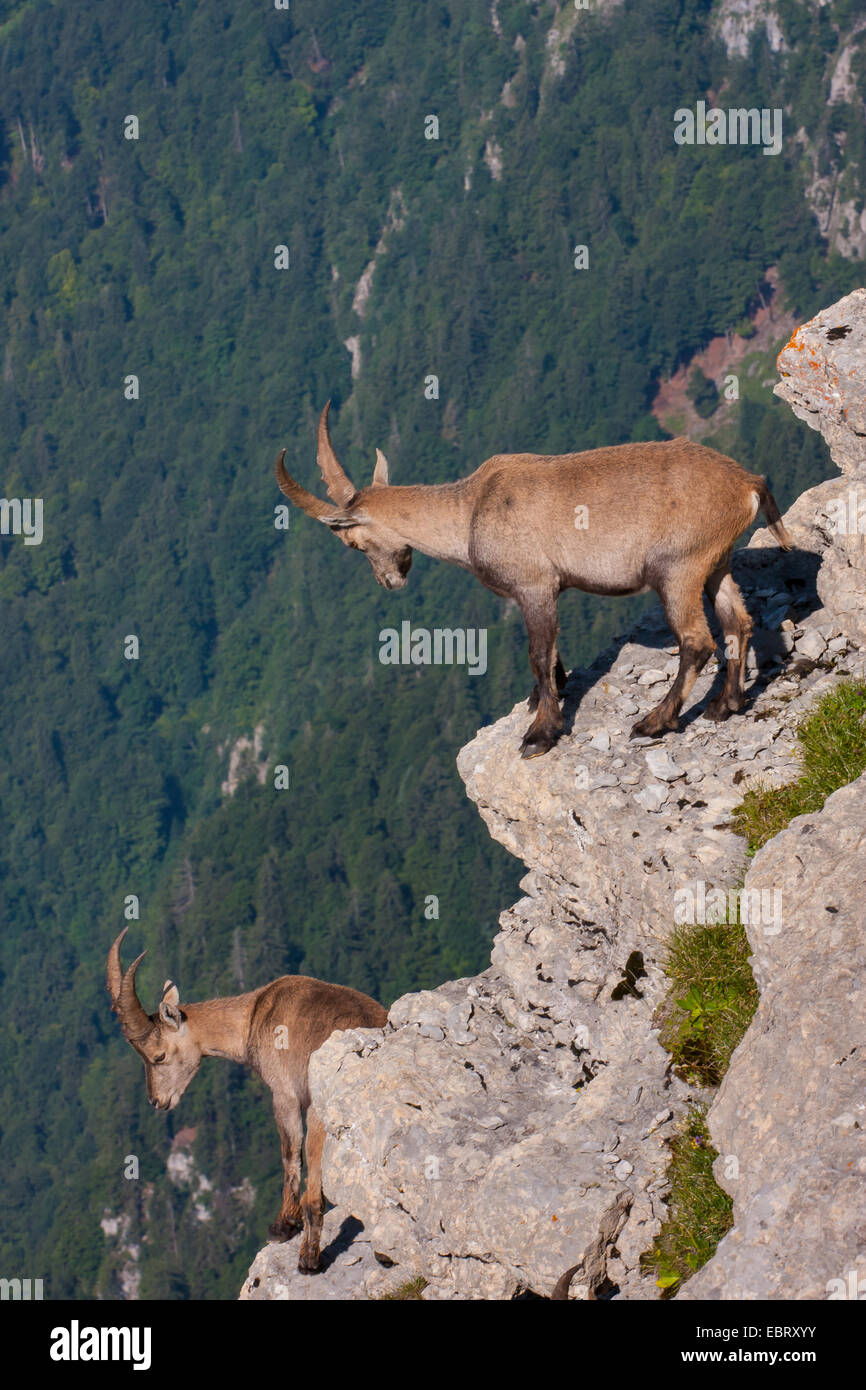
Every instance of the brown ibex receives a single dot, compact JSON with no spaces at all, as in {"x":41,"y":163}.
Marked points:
{"x":616,"y":520}
{"x":274,"y":1030}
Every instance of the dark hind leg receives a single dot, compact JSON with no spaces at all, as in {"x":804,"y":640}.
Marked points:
{"x":681,"y":594}
{"x":539,"y":612}
{"x":291,"y":1128}
{"x":737,"y":628}
{"x":561,"y":678}
{"x":313,"y":1200}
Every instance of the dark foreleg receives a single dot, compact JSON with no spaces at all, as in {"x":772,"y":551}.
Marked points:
{"x":561,"y":677}
{"x":539,"y":612}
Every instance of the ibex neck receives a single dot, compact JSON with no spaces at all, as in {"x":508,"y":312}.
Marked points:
{"x":431,"y":518}
{"x":222,"y":1026}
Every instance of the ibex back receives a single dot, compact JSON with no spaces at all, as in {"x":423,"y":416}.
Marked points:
{"x":619,"y":520}
{"x":274,"y":1030}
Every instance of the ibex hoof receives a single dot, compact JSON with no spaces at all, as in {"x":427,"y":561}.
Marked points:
{"x":652,"y":726}
{"x":535,"y":746}
{"x":308,"y":1264}
{"x":721,"y":708}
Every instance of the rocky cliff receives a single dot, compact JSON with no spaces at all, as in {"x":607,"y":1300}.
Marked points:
{"x":504,"y":1128}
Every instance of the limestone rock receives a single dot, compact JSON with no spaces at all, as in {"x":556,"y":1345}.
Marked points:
{"x":498,"y":1126}
{"x":349,"y":1269}
{"x":790,"y":1117}
{"x":662,"y":765}
{"x":830,"y":521}
{"x":486,"y":1136}
{"x":823,"y":368}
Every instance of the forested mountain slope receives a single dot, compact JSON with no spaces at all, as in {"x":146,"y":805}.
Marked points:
{"x":452,"y":257}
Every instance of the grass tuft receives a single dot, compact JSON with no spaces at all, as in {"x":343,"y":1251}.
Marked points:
{"x":832,"y":751}
{"x":409,"y":1292}
{"x":699,"y":1212}
{"x":712,"y":1000}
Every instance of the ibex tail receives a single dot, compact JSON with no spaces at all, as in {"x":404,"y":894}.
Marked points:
{"x":773,"y":516}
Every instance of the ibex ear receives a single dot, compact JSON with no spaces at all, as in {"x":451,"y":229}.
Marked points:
{"x":169,"y":1009}
{"x":342,"y":521}
{"x":380,"y":472}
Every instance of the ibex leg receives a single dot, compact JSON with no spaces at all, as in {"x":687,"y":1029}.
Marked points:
{"x":291,"y":1127}
{"x":542,"y":625}
{"x":313,"y":1200}
{"x":737,"y":628}
{"x":561,"y":678}
{"x":682,"y":595}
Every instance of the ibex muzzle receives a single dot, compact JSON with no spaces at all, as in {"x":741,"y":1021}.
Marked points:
{"x":274,"y":1030}
{"x":618,"y":520}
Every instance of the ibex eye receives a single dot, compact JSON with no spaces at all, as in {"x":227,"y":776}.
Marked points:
{"x":160,"y":1058}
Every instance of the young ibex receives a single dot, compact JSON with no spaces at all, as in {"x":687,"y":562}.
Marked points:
{"x":274,"y":1030}
{"x":617,"y":520}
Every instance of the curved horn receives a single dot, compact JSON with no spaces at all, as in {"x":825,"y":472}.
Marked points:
{"x":114,"y":972}
{"x":307,"y":501}
{"x":340,"y":490}
{"x":380,"y":472}
{"x":124,"y":1000}
{"x":136,"y":1023}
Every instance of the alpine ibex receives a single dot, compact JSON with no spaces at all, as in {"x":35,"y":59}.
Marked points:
{"x":616,"y":520}
{"x":274,"y":1030}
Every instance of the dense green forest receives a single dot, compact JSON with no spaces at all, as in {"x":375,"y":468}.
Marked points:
{"x":155,"y":258}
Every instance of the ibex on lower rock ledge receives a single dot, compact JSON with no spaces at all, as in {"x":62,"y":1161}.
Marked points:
{"x":274,"y":1030}
{"x":617,"y":520}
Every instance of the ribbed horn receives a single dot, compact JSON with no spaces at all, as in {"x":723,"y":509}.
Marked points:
{"x":135,"y":1022}
{"x":114,"y":972}
{"x":307,"y":501}
{"x":340,"y":489}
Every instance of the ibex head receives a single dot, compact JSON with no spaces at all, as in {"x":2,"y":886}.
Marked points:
{"x":353,"y":517}
{"x":164,"y":1040}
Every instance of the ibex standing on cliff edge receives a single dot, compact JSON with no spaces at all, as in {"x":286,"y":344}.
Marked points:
{"x":618,"y":520}
{"x":274,"y":1030}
